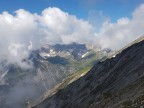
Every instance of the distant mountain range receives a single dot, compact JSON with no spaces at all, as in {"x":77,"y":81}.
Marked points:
{"x":51,"y":65}
{"x":117,"y":82}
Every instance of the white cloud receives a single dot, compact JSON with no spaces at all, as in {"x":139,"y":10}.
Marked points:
{"x":24,"y":31}
{"x":116,"y":35}
{"x":61,"y":27}
{"x":123,"y":21}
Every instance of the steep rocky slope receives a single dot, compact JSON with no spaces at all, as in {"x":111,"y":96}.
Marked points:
{"x":114,"y":83}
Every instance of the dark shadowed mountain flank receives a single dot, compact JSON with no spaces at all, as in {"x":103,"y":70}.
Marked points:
{"x":115,"y":83}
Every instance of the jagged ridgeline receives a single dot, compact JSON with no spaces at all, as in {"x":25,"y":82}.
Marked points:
{"x":117,"y":82}
{"x":52,"y":64}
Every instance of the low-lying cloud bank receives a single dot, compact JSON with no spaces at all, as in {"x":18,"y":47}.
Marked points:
{"x":24,"y":31}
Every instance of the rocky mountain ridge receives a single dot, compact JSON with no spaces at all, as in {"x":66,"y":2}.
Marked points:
{"x":114,"y":83}
{"x":51,"y":65}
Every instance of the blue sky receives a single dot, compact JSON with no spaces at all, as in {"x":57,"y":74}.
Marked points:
{"x":113,"y":9}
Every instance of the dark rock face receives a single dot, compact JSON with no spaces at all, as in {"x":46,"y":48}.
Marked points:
{"x":58,"y":60}
{"x":74,"y":49}
{"x":74,"y":46}
{"x":115,"y":83}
